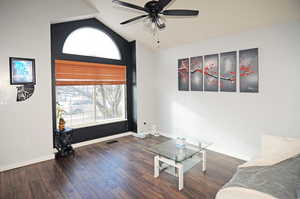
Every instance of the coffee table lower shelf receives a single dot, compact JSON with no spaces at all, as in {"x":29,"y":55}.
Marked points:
{"x":178,"y":165}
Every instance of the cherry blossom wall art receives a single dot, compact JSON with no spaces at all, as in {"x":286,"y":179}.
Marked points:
{"x":219,"y":72}
{"x":183,"y":74}
{"x":197,"y":73}
{"x":211,"y":72}
{"x":249,"y":70}
{"x":228,"y":69}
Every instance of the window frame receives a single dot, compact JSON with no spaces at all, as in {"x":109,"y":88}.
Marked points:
{"x":59,"y":33}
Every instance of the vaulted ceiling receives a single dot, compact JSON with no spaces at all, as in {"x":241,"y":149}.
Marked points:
{"x":217,"y":18}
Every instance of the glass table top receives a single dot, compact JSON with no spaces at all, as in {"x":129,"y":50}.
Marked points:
{"x":170,"y":150}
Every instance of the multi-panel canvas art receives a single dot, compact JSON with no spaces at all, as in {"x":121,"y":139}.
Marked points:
{"x":249,"y":70}
{"x":183,"y":74}
{"x":211,"y":72}
{"x":228,"y":69}
{"x":197,"y":73}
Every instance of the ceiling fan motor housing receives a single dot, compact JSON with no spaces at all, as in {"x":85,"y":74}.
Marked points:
{"x":152,"y":7}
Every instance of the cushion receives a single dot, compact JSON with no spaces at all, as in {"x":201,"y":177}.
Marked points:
{"x":275,"y":149}
{"x":241,"y":193}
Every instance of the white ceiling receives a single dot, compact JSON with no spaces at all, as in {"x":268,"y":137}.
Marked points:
{"x":217,"y":18}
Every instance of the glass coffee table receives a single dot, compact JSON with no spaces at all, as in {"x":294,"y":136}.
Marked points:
{"x":170,"y":154}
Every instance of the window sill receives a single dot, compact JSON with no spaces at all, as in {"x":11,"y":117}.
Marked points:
{"x":98,"y":123}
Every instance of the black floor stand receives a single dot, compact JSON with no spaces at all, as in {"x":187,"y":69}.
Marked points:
{"x":62,"y":143}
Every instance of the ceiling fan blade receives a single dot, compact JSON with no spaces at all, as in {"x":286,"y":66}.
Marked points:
{"x":133,"y":19}
{"x":162,"y":4}
{"x":129,"y":5}
{"x":181,"y":12}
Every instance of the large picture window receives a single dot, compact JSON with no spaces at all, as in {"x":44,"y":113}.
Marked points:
{"x":87,"y":105}
{"x":93,"y":79}
{"x":90,"y":93}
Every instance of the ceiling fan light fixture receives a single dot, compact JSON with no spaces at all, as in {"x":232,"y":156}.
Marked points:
{"x":153,"y":26}
{"x":149,"y":25}
{"x":160,"y":22}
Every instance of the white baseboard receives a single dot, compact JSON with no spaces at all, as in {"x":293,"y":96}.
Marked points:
{"x":80,"y":144}
{"x":26,"y":163}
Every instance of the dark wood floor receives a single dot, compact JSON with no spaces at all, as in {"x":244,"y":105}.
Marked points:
{"x":122,"y":170}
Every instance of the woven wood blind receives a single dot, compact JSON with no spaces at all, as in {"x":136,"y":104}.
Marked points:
{"x":70,"y":73}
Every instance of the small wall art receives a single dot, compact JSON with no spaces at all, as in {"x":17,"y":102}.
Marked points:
{"x":248,"y":70}
{"x":24,"y":92}
{"x":197,"y":73}
{"x":22,"y":73}
{"x":183,"y":74}
{"x":211,"y":72}
{"x":228,"y":70}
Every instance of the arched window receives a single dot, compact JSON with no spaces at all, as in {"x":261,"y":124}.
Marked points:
{"x":91,"y":42}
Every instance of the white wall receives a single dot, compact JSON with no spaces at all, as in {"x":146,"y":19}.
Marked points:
{"x":145,"y":64}
{"x":26,"y":127}
{"x":234,"y":122}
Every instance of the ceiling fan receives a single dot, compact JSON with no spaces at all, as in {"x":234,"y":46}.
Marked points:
{"x":155,"y":11}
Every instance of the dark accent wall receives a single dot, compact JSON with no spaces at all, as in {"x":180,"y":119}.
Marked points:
{"x":59,"y":33}
{"x":134,"y":87}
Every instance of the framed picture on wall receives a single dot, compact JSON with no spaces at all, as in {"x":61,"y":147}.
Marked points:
{"x":22,"y":71}
{"x":183,"y":74}
{"x":211,"y":72}
{"x":197,"y":73}
{"x":249,"y":70}
{"x":228,"y":69}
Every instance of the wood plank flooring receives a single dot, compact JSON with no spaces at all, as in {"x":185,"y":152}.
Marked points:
{"x":123,"y":170}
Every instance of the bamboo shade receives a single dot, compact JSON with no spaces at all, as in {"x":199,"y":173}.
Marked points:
{"x":85,"y":73}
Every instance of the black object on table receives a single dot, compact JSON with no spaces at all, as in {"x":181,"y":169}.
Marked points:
{"x":62,"y":142}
